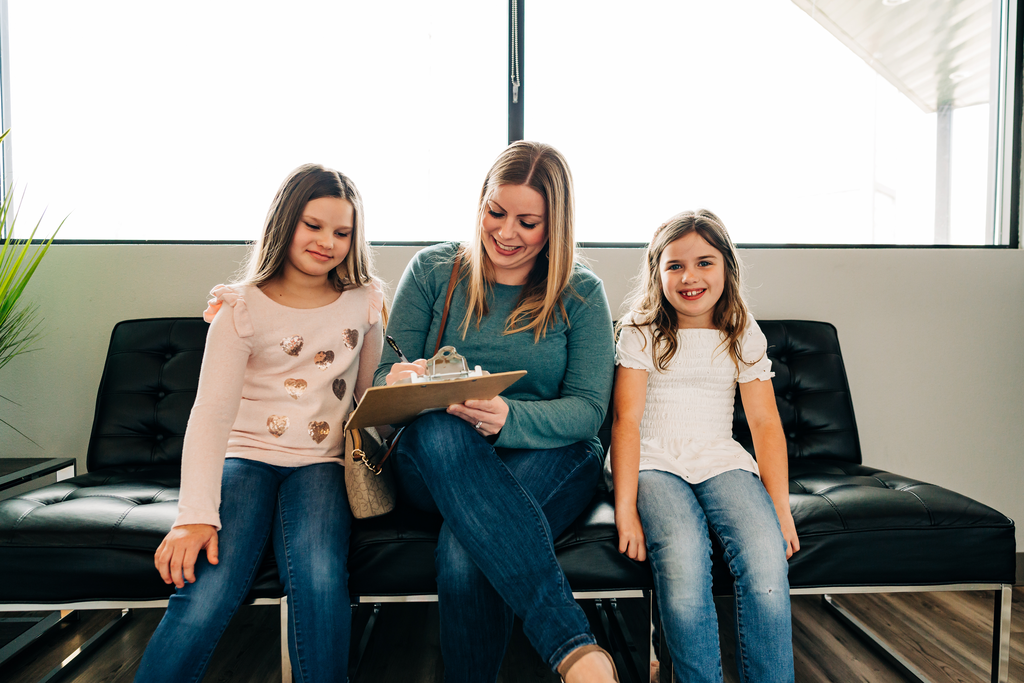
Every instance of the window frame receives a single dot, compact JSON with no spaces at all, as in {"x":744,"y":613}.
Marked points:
{"x":1005,"y":147}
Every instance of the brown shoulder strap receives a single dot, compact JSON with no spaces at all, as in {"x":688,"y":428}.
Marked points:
{"x":448,"y":297}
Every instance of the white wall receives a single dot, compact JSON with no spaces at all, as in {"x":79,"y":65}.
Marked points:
{"x":931,"y":339}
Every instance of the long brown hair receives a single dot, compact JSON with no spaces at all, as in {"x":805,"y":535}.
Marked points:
{"x":543,"y":168}
{"x":308,"y":182}
{"x":649,"y":307}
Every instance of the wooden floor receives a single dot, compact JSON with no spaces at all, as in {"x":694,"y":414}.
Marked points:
{"x":946,"y":635}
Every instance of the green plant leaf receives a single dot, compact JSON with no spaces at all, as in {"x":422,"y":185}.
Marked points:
{"x":19,"y":258}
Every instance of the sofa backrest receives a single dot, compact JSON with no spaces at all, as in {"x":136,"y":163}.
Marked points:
{"x":147,"y":391}
{"x":152,"y":371}
{"x":811,"y":391}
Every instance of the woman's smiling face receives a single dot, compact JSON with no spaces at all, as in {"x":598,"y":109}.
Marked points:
{"x":514,"y":231}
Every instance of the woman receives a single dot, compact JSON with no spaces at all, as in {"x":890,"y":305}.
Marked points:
{"x":511,"y":473}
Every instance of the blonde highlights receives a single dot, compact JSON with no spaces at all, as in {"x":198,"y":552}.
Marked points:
{"x":268,"y":254}
{"x":651,"y":309}
{"x":544,"y":169}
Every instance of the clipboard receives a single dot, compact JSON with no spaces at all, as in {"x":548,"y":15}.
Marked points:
{"x":401,"y":403}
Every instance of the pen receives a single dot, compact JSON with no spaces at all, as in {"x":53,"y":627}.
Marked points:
{"x":392,"y":344}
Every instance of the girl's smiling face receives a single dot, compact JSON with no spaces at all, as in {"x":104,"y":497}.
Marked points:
{"x":322,"y":237}
{"x":692,"y":279}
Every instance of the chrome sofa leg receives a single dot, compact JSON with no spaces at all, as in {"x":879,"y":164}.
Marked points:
{"x":286,"y":662}
{"x":1001,"y":634}
{"x":32,"y":634}
{"x":87,"y":648}
{"x":356,"y":658}
{"x":873,"y":640}
{"x":666,"y":669}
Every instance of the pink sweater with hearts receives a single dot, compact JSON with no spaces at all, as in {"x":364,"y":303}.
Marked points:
{"x":275,"y":386}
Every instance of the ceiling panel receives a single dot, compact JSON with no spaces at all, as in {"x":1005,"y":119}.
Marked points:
{"x":933,"y":51}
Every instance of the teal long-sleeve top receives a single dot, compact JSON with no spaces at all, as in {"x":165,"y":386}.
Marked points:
{"x":564,"y":396}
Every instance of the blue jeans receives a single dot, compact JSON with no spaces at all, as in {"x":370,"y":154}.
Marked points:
{"x":676,"y":517}
{"x":495,"y":557}
{"x":303,"y":513}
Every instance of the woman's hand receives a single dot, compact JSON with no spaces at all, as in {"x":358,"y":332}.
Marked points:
{"x":631,"y":534}
{"x":487,"y":417}
{"x":788,"y":531}
{"x":406,"y":370}
{"x":176,"y":557}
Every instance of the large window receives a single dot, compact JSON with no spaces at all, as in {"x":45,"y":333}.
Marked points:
{"x":179,"y":120}
{"x":812,"y":122}
{"x":797,"y":121}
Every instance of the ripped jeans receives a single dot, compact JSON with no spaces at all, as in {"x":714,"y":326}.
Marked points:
{"x":677,"y":518}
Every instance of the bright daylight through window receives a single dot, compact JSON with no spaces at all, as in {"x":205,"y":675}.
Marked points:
{"x":797,"y":121}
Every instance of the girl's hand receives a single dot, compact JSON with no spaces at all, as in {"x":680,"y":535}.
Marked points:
{"x":176,"y":557}
{"x":789,"y":533}
{"x":406,"y":370}
{"x":631,"y":534}
{"x":487,"y":417}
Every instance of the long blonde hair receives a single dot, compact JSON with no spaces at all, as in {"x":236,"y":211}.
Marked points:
{"x":649,"y":307}
{"x":543,"y":168}
{"x":267,"y":255}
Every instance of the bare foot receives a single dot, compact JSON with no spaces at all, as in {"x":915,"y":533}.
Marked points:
{"x":593,"y":667}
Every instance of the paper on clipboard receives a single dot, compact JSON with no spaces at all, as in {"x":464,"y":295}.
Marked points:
{"x":400,"y":403}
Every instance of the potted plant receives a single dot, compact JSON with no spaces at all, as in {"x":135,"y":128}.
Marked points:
{"x":19,"y":321}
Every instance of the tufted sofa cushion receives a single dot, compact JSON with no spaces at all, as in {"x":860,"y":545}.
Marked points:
{"x":146,"y":393}
{"x":92,"y":537}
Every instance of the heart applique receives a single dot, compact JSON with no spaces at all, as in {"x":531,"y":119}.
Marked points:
{"x":277,"y":424}
{"x":295,"y":387}
{"x":319,"y":431}
{"x":351,"y":338}
{"x":323,"y":359}
{"x":339,"y":388}
{"x":292,"y":345}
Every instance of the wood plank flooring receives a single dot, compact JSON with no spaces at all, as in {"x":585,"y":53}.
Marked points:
{"x":946,"y":635}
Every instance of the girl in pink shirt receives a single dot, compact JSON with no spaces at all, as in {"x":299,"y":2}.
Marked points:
{"x":288,"y":348}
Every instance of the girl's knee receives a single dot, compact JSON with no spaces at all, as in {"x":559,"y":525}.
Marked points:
{"x":202,"y":610}
{"x":683,"y":576}
{"x":763,"y":570}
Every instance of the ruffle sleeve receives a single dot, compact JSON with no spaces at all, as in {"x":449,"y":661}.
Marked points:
{"x":226,"y":294}
{"x":634,"y":349}
{"x":376,"y":295}
{"x":754,"y":349}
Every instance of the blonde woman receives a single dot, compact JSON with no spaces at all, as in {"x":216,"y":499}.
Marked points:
{"x":509,"y":474}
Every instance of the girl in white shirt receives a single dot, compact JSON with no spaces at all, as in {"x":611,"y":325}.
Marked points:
{"x":678,"y":474}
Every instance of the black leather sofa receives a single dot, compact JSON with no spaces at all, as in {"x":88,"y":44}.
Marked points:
{"x":89,"y":541}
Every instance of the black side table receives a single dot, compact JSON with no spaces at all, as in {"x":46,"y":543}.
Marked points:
{"x":14,"y":471}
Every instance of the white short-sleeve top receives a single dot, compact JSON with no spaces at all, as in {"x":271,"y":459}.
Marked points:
{"x":687,"y":424}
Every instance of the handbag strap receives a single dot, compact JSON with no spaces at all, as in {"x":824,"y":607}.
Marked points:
{"x":376,"y":468}
{"x":456,"y":267}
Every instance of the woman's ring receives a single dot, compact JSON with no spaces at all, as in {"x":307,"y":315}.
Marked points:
{"x":477,"y":425}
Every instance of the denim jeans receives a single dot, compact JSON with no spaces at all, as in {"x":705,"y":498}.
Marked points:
{"x":303,"y":513}
{"x":495,"y":557}
{"x":676,"y":517}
